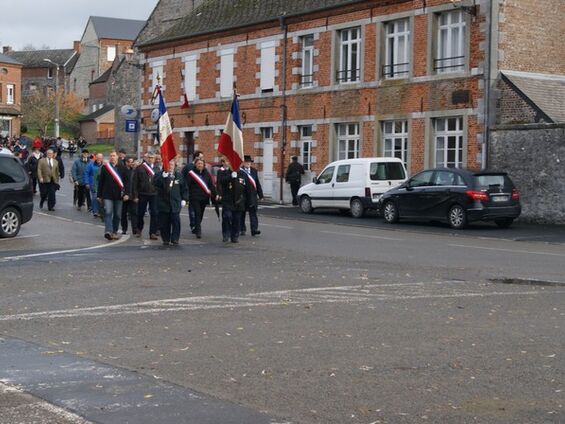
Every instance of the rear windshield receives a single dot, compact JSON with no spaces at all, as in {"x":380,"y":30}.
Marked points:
{"x":381,"y":171}
{"x":495,"y":180}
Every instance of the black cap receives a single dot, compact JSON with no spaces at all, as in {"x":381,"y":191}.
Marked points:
{"x":247,"y":158}
{"x":122,"y":150}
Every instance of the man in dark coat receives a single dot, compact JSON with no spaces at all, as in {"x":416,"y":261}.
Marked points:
{"x":129,"y":207}
{"x":31,"y":166}
{"x":231,"y":192}
{"x":144,"y":194}
{"x":189,"y":167}
{"x":253,"y":192}
{"x":294,"y":174}
{"x":200,"y":190}
{"x":112,"y":190}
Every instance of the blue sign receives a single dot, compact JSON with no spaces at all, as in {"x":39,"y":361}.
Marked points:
{"x":132,"y":126}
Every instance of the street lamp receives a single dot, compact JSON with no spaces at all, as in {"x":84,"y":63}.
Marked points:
{"x":57,"y":66}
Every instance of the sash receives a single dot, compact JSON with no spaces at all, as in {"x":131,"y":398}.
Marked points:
{"x":148,"y":169}
{"x":200,"y":182}
{"x":114,"y":175}
{"x":251,"y":179}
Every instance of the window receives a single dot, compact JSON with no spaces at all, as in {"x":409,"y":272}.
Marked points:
{"x":422,"y":179}
{"x":190,"y":77}
{"x":11,"y":171}
{"x":267,"y":133}
{"x":348,"y":141}
{"x":306,"y":146}
{"x":93,"y":108}
{"x":395,"y":140}
{"x":111,"y":53}
{"x":268,"y":66}
{"x":226,"y":73}
{"x":327,"y":175}
{"x":49,"y":72}
{"x":397,"y":49}
{"x":10,"y":94}
{"x":383,"y":171}
{"x":307,"y":73}
{"x":157,"y":76}
{"x":349,"y":55}
{"x":450,"y":54}
{"x":342,"y":173}
{"x":446,"y":178}
{"x":448,"y":137}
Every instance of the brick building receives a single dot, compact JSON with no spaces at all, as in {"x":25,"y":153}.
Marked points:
{"x":335,"y":79}
{"x":10,"y":96}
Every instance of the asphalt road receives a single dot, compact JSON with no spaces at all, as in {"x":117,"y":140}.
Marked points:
{"x":321,"y":319}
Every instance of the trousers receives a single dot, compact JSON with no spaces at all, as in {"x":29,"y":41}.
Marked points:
{"x":169,"y":223}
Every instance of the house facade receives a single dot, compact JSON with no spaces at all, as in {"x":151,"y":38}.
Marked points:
{"x":328,"y":80}
{"x":10,"y":96}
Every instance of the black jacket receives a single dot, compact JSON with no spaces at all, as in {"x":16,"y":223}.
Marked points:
{"x":171,"y":190}
{"x":143,"y":182}
{"x":250,"y":192}
{"x":61,"y":166}
{"x":195,"y":191}
{"x":232,"y":190}
{"x":31,"y":166}
{"x":108,"y":188}
{"x":294,"y":173}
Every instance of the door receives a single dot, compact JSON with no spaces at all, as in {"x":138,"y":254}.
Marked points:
{"x":414,"y":198}
{"x":322,"y":192}
{"x":268,"y":146}
{"x":344,"y":187}
{"x":443,"y":193}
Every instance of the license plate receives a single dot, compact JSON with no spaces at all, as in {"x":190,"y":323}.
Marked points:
{"x":500,"y":198}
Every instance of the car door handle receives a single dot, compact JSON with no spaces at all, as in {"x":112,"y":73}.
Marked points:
{"x":333,"y":185}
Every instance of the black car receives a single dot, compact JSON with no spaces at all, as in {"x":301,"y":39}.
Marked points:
{"x":16,"y":195}
{"x":458,"y":196}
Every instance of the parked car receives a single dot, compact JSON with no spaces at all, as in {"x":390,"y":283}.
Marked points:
{"x":16,"y":195}
{"x":457,"y":196}
{"x":354,"y":185}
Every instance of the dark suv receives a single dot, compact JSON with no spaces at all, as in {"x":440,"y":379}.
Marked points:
{"x":457,"y":196}
{"x":16,"y":195}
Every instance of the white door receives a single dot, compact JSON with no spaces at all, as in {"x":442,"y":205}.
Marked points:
{"x":322,"y":192}
{"x":268,"y":146}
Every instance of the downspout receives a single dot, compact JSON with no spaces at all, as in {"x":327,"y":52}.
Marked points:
{"x":283,"y":107}
{"x":488,"y":78}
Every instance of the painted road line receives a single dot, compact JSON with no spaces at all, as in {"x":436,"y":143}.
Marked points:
{"x":20,"y":237}
{"x":63,"y":252}
{"x":361,"y":235}
{"x":497,"y":249}
{"x":286,"y":227}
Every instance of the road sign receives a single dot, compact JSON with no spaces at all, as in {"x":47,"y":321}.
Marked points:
{"x":132,"y":126}
{"x":128,"y":112}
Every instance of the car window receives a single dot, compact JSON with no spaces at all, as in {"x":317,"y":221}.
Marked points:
{"x":342,"y":174}
{"x":387,"y":171}
{"x":422,"y":179}
{"x":326,"y":175}
{"x":11,"y":171}
{"x":486,"y":181}
{"x":444,"y":178}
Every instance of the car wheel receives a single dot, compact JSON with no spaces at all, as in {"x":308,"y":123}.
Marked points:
{"x":504,"y":222}
{"x":457,"y":217}
{"x":357,"y":209}
{"x":306,"y":204}
{"x":10,"y":223}
{"x":390,"y":213}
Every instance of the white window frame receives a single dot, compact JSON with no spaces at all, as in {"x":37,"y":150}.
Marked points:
{"x":306,"y":146}
{"x":349,"y":70}
{"x":10,"y":94}
{"x":226,"y":73}
{"x":157,"y":71}
{"x":307,"y":71}
{"x":190,"y":82}
{"x":111,"y":52}
{"x":268,"y":58}
{"x":446,"y":140}
{"x":395,"y":140}
{"x":397,"y":57}
{"x":348,"y":140}
{"x":451,"y":49}
{"x":267,"y":133}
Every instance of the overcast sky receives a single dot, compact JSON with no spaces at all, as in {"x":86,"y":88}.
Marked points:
{"x":56,"y":23}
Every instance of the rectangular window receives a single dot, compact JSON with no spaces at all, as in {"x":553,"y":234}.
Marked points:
{"x":226,"y":73}
{"x":111,"y":53}
{"x":349,"y":69}
{"x":268,"y":66}
{"x":395,"y":140}
{"x":49,"y":72}
{"x":342,"y":173}
{"x":157,"y":76}
{"x":397,"y":49}
{"x":450,"y":51}
{"x":10,"y":94}
{"x":348,"y":142}
{"x":307,"y":73}
{"x":267,"y":133}
{"x":190,"y":78}
{"x":306,"y":146}
{"x":448,"y":139}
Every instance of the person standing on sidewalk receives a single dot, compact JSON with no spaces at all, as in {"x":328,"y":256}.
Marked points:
{"x":294,"y":174}
{"x":78,"y":174}
{"x":144,"y":194}
{"x":112,"y":190}
{"x":200,"y":190}
{"x":253,"y":192}
{"x":172,"y":194}
{"x":48,"y":176}
{"x":129,"y":207}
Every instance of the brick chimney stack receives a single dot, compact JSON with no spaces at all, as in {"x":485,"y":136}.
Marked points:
{"x":76,"y":46}
{"x":6,"y":49}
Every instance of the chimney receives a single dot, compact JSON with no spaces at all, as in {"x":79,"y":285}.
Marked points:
{"x":76,"y":46}
{"x":6,"y":49}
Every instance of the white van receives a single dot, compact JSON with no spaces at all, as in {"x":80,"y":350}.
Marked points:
{"x":352,"y":185}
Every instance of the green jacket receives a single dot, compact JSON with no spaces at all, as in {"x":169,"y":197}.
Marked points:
{"x":171,"y":190}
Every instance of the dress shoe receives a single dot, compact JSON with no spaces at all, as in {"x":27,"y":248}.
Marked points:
{"x":108,"y":236}
{"x":175,"y":243}
{"x":234,"y":240}
{"x":165,"y":243}
{"x":255,"y":233}
{"x":115,"y":236}
{"x":153,"y":237}
{"x":41,"y":204}
{"x":198,"y":235}
{"x":51,"y":209}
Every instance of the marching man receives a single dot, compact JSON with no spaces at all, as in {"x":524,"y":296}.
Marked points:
{"x":200,"y":191}
{"x":111,"y":192}
{"x":254,"y":191}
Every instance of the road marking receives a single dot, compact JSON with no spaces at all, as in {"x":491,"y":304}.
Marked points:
{"x":527,"y":252}
{"x":63,"y":252}
{"x":362,"y":235}
{"x":357,"y":294}
{"x":286,"y":227}
{"x":20,"y":237}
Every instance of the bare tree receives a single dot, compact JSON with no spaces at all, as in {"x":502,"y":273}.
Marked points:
{"x":39,"y":110}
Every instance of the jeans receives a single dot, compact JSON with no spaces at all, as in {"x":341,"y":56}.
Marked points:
{"x":253,"y":220}
{"x":47,"y":192}
{"x":230,"y":224}
{"x":129,"y":211}
{"x":94,"y":201}
{"x":170,"y":226}
{"x":112,"y":215}
{"x":151,"y":201}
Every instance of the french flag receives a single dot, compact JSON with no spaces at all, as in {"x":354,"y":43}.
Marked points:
{"x":231,"y":141}
{"x":166,"y":140}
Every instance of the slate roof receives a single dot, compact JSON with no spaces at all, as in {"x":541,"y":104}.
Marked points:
{"x":220,"y":15}
{"x":116,"y":28}
{"x":546,"y":91}
{"x":9,"y":60}
{"x":97,"y":114}
{"x":34,"y":58}
{"x":104,"y":77}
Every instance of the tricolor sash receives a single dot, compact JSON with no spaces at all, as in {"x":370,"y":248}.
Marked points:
{"x":251,"y":179}
{"x":200,"y":182}
{"x":148,"y":169}
{"x":116,"y":177}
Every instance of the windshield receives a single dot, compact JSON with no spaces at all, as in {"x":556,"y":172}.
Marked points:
{"x":496,"y":180}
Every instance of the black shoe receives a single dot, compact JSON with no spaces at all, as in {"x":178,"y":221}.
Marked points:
{"x":165,"y":243}
{"x":51,"y":209}
{"x":234,"y":240}
{"x":124,"y":233}
{"x":41,"y":202}
{"x":255,"y":233}
{"x":108,"y":236}
{"x":226,"y":239}
{"x":175,"y":243}
{"x":193,"y":230}
{"x":242,"y":233}
{"x":198,"y":235}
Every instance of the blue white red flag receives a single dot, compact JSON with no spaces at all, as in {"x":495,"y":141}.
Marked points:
{"x":166,"y":139}
{"x":231,"y":140}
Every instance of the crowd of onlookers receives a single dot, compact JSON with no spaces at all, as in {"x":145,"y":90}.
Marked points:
{"x":22,"y":147}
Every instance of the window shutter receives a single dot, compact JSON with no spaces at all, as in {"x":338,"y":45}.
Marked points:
{"x":268,"y":66}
